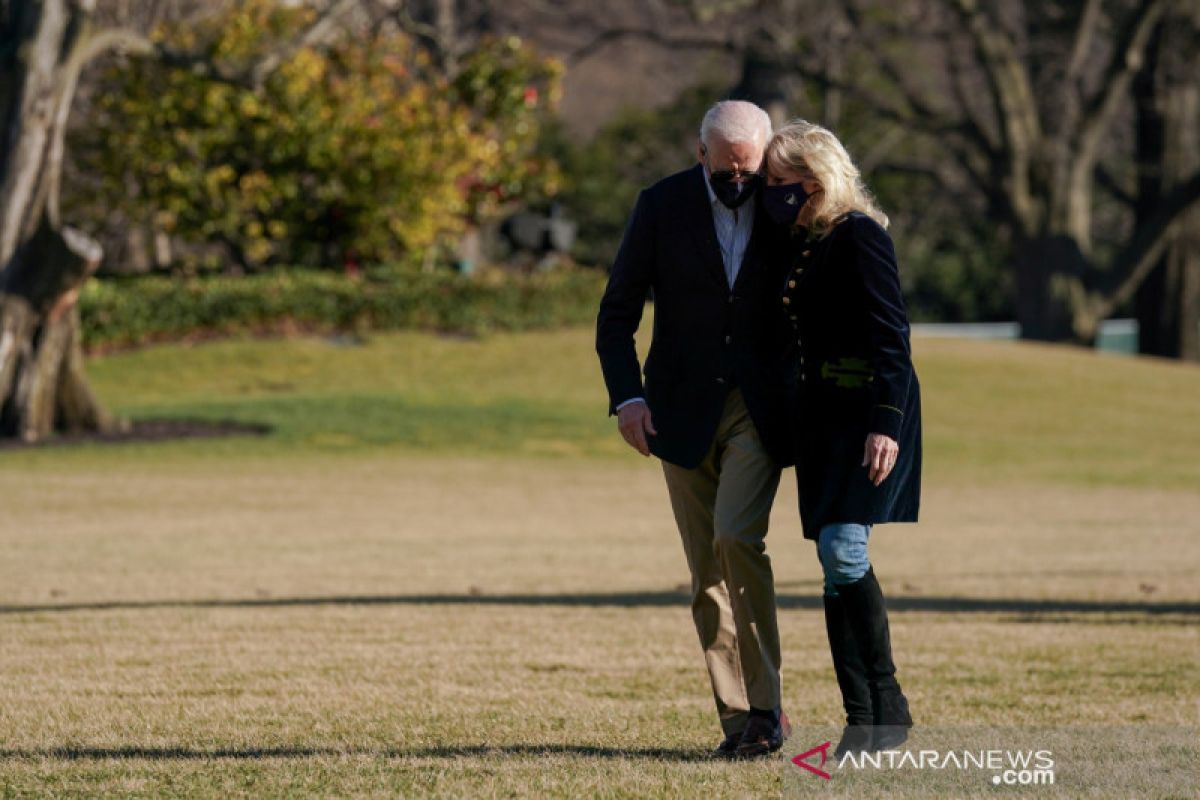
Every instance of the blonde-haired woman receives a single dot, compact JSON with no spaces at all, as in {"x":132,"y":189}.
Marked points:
{"x":856,"y":406}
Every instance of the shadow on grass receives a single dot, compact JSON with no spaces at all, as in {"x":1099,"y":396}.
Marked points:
{"x":448,"y":751}
{"x":949,"y":605}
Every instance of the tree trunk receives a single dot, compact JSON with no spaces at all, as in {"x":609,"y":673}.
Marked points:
{"x":1168,"y":145}
{"x":43,"y":264}
{"x":762,"y":82}
{"x":1048,"y":267}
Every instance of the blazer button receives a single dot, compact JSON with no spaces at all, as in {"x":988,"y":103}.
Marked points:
{"x":728,"y":340}
{"x":720,"y":380}
{"x":787,"y":300}
{"x":806,"y":253}
{"x":791,"y":284}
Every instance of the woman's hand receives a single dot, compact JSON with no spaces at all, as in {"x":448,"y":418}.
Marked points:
{"x":879,"y":456}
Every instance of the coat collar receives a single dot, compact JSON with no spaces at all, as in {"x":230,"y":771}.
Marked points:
{"x":699,"y":209}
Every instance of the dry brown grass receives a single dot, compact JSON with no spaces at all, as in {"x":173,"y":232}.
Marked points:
{"x":384,"y":625}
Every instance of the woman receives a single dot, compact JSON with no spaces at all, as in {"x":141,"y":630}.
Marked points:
{"x":856,"y":405}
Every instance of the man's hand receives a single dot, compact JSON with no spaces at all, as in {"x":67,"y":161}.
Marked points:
{"x":634,"y":423}
{"x":879,"y":456}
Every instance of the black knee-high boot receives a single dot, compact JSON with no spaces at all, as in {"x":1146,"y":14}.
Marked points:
{"x":851,"y":678}
{"x":867,"y":616}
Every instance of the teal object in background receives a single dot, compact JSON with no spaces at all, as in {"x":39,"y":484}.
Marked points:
{"x":1115,"y":336}
{"x":1118,"y":336}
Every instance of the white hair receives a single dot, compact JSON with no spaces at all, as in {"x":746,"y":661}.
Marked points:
{"x":736,"y":121}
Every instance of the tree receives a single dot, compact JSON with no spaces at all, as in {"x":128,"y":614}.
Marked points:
{"x":44,"y":45}
{"x":1168,"y":145}
{"x":1033,"y":147}
{"x":1015,"y":106}
{"x":450,"y":142}
{"x":362,"y":151}
{"x":952,"y":254}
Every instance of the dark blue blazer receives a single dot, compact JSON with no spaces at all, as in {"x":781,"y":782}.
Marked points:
{"x":850,"y":373}
{"x":707,"y":337}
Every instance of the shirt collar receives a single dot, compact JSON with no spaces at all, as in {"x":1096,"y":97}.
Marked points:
{"x":712,"y":196}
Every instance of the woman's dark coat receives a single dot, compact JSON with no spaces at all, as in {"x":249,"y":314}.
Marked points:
{"x":849,"y":373}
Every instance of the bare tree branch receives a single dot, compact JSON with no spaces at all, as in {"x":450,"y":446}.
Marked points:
{"x":316,"y":33}
{"x":1115,"y":85}
{"x":418,"y":30}
{"x":121,"y":39}
{"x":912,"y":96}
{"x":1109,"y":183}
{"x":1085,"y":34}
{"x":962,"y":125}
{"x":877,"y":152}
{"x":1007,"y":76}
{"x":959,"y":71}
{"x":1139,"y":257}
{"x":601,"y":40}
{"x":1013,"y":100}
{"x":135,"y":43}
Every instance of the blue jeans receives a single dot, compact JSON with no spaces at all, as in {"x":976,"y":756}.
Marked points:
{"x":842,"y":550}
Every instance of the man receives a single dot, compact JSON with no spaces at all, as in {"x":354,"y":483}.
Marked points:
{"x":708,"y":408}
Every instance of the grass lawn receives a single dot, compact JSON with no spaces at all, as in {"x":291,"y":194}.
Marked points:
{"x":443,"y":574}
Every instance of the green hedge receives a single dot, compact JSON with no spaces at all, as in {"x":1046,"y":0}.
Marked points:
{"x":117,"y":312}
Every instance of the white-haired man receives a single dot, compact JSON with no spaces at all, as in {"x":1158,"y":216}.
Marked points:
{"x":698,"y":243}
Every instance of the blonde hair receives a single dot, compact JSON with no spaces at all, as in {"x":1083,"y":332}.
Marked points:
{"x":802,"y":145}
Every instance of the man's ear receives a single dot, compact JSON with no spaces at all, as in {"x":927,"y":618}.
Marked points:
{"x":700,"y":151}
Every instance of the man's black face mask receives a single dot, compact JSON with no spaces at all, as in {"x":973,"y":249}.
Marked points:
{"x":732,"y":194}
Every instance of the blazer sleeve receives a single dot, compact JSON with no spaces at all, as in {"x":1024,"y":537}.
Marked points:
{"x":887,"y":326}
{"x":622,"y":306}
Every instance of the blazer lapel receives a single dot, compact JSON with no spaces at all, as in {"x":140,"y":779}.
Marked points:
{"x":704,"y":240}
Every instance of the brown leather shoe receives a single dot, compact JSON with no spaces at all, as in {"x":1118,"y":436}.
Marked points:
{"x":728,"y":746}
{"x":763,"y":736}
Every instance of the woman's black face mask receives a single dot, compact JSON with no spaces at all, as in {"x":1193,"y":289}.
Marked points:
{"x":783,"y":202}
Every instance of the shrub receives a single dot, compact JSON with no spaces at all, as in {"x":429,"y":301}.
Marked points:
{"x":155,"y":308}
{"x":359,"y":152}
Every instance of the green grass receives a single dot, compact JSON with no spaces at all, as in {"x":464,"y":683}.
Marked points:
{"x":533,"y":393}
{"x":993,"y":411}
{"x":443,"y":575}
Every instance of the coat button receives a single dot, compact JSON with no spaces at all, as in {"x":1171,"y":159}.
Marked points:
{"x":728,"y":340}
{"x":787,"y":301}
{"x":720,"y":380}
{"x":791,"y":284}
{"x":806,"y":253}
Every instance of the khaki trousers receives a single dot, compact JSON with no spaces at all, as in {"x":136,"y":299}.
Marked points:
{"x":722,"y":509}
